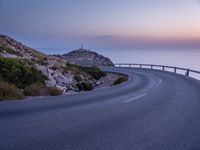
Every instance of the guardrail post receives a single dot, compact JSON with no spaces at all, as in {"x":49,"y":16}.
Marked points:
{"x":175,"y":69}
{"x":187,"y":72}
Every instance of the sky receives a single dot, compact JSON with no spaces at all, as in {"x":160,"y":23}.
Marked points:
{"x":102,"y":23}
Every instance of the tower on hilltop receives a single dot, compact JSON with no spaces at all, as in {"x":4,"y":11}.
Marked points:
{"x":81,"y":47}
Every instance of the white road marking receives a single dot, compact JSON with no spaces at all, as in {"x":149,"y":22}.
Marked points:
{"x":135,"y":98}
{"x":152,"y":85}
{"x":160,"y":81}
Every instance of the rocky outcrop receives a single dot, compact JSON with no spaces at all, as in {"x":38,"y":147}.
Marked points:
{"x":87,"y":58}
{"x":12,"y":48}
{"x":61,"y":72}
{"x":58,"y":74}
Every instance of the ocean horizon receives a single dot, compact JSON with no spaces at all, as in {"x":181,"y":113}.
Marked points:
{"x":186,"y":58}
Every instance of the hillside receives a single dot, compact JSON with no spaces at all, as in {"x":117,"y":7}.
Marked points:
{"x":87,"y":58}
{"x":33,"y":73}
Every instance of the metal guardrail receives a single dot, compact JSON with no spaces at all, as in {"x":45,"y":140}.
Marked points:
{"x":162,"y":67}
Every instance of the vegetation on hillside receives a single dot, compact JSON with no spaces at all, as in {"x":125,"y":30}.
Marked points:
{"x":16,"y":74}
{"x":84,"y":86}
{"x":9,"y":91}
{"x":19,"y":76}
{"x":53,"y":91}
{"x":35,"y":89}
{"x":89,"y":72}
{"x":120,"y":80}
{"x":83,"y":75}
{"x":19,"y":73}
{"x":10,"y":51}
{"x":38,"y":89}
{"x":78,"y":77}
{"x":20,"y":79}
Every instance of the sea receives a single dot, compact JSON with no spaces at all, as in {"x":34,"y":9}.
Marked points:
{"x":185,"y":58}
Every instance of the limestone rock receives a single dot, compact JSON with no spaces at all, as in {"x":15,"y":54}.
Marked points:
{"x":87,"y":58}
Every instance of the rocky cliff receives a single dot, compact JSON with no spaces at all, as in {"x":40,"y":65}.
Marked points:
{"x":87,"y":58}
{"x":10,"y":48}
{"x":18,"y":60}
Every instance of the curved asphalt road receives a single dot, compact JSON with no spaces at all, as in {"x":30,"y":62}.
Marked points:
{"x":154,"y":110}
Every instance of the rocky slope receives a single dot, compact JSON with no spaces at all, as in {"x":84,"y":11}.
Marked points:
{"x":67,"y":77}
{"x":87,"y":58}
{"x":10,"y":48}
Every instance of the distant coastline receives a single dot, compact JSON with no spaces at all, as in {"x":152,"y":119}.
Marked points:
{"x":186,"y":58}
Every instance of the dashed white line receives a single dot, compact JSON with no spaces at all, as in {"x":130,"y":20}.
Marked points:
{"x":152,"y":85}
{"x":160,"y":81}
{"x":135,"y":98}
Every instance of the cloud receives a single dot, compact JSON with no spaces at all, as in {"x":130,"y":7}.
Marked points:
{"x":105,"y":37}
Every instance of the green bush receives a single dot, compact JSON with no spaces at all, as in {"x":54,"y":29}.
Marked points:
{"x":36,"y":89}
{"x":120,"y":79}
{"x":9,"y":91}
{"x":44,"y":63}
{"x":19,"y":73}
{"x":94,"y":72}
{"x":53,"y":91}
{"x":38,"y":55}
{"x":71,"y":67}
{"x":10,"y":51}
{"x":78,"y":78}
{"x":84,"y":86}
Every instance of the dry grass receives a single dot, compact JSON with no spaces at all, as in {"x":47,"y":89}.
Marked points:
{"x":35,"y":89}
{"x":53,"y":91}
{"x":9,"y":91}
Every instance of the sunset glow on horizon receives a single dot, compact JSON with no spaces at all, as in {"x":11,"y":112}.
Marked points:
{"x":129,"y":23}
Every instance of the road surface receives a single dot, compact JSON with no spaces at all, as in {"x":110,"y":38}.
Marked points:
{"x":154,"y":110}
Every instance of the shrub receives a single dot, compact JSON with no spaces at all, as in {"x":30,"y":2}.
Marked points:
{"x":36,"y":89}
{"x":73,"y":68}
{"x":84,"y":86}
{"x":55,"y":67}
{"x":78,"y":78}
{"x":38,"y":55}
{"x":53,"y":91}
{"x":19,"y":73}
{"x":44,"y":63}
{"x":120,"y":79}
{"x":9,"y":91}
{"x":10,"y":51}
{"x":94,"y":72}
